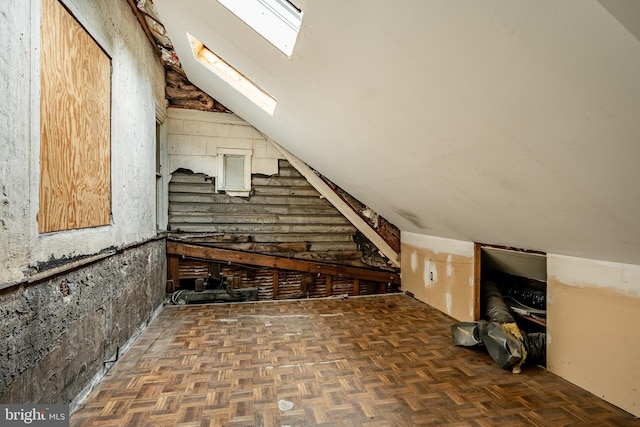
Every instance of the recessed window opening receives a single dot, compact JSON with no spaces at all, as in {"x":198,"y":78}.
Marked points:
{"x":234,"y":171}
{"x":278,"y":21}
{"x":231,"y":76}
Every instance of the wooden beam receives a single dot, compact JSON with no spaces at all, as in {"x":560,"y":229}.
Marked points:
{"x":173,"y":270}
{"x":328,"y":286}
{"x":356,"y":287}
{"x":245,"y":258}
{"x":340,"y":204}
{"x":276,"y":280}
{"x":143,"y":24}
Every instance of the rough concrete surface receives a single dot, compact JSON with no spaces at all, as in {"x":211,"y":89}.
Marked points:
{"x":57,"y":334}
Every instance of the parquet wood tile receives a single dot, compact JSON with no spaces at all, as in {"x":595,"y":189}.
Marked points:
{"x":372,"y":361}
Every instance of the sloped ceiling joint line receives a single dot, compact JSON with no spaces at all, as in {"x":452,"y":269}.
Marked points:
{"x":338,"y":203}
{"x":144,"y":25}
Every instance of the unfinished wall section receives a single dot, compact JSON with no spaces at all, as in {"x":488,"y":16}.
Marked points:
{"x":593,"y":340}
{"x":284,"y":216}
{"x":59,"y":335}
{"x":14,"y":138}
{"x":137,"y":87}
{"x":69,"y":299}
{"x":440,"y":272}
{"x":194,"y":137}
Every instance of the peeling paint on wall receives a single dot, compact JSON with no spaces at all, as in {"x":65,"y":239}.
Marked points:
{"x":195,"y":136}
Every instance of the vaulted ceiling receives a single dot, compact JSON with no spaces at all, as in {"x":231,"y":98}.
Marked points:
{"x":506,"y":122}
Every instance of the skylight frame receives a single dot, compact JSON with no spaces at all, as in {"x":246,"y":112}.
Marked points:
{"x":231,"y":76}
{"x":278,"y":21}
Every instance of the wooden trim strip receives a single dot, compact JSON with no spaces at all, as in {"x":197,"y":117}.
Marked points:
{"x":68,"y":267}
{"x":476,"y":280}
{"x":226,"y":255}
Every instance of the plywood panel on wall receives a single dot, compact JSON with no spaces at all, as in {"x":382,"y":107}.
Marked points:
{"x":75,"y":104}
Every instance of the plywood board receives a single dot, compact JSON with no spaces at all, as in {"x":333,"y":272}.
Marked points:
{"x":75,"y":163}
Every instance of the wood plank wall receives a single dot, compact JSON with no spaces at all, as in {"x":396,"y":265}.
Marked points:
{"x":284,"y":216}
{"x":75,"y":125}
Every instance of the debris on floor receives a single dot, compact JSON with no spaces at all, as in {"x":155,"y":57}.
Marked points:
{"x":285,"y":405}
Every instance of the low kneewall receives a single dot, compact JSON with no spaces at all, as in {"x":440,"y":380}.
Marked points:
{"x":58,"y":333}
{"x":441,"y":273}
{"x":593,"y":340}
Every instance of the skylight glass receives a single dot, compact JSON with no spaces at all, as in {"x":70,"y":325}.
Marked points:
{"x":232,"y":76}
{"x":278,"y":21}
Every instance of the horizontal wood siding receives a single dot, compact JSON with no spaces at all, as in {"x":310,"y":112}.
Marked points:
{"x":284,"y":216}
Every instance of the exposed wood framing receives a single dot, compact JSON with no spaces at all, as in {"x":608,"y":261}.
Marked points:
{"x":143,"y":24}
{"x":284,"y":216}
{"x":389,"y":232}
{"x":477,"y":253}
{"x":276,"y":281}
{"x":225,"y":255}
{"x":339,"y":203}
{"x":173,"y":270}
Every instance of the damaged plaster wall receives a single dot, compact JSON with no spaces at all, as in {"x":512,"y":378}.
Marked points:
{"x":194,"y":136}
{"x":137,"y":87}
{"x":57,"y":334}
{"x":593,"y":310}
{"x":54,"y":344}
{"x":440,"y":272}
{"x":14,"y":136}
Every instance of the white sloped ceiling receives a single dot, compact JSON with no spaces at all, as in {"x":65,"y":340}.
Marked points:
{"x":506,"y":122}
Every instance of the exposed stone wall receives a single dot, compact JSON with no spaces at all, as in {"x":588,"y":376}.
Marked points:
{"x":57,"y":334}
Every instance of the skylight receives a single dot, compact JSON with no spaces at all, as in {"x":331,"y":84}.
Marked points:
{"x":232,"y":76}
{"x":278,"y":21}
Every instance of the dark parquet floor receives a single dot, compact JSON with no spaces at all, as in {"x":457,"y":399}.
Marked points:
{"x":368,"y":361}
